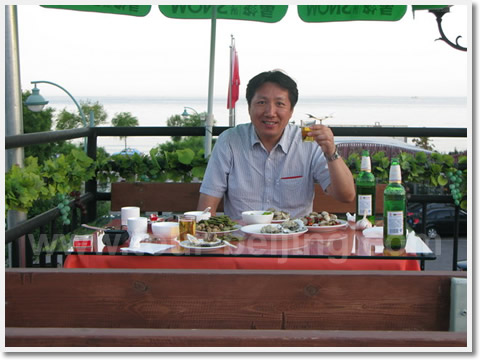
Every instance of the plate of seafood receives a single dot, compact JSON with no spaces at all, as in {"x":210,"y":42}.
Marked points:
{"x":341,"y":224}
{"x":188,"y":245}
{"x":207,"y":244}
{"x":279,"y":216}
{"x":323,"y":222}
{"x":286,"y":230}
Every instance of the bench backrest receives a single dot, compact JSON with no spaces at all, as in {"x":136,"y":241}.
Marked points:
{"x":180,"y":197}
{"x":228,"y":299}
{"x":116,"y":307}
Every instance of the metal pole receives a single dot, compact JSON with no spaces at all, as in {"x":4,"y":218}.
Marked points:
{"x":209,"y":122}
{"x":456,"y":231}
{"x":13,"y":120}
{"x":91,"y":185}
{"x":231,"y":111}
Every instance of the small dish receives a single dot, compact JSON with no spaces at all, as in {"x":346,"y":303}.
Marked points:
{"x":113,"y":237}
{"x":257,"y":217}
{"x":188,"y":245}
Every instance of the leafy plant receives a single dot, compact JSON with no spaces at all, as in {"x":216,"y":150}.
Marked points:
{"x":23,"y":186}
{"x":180,"y":165}
{"x":435,"y":170}
{"x":67,"y":173}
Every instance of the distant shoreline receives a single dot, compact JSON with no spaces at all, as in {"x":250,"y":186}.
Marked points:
{"x":462,"y":99}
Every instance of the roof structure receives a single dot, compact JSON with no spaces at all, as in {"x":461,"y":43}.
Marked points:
{"x":391,"y":146}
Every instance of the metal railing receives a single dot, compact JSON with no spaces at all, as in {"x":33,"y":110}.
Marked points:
{"x":91,"y":195}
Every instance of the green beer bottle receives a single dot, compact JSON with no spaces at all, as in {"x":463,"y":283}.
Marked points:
{"x":394,"y":211}
{"x":365,"y":184}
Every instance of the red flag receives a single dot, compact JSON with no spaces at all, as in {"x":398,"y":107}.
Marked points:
{"x":233,"y":87}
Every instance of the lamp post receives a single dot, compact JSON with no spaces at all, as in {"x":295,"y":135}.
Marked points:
{"x":37,"y":102}
{"x":208,"y":139}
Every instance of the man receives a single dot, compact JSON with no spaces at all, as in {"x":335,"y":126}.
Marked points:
{"x":265,"y":164}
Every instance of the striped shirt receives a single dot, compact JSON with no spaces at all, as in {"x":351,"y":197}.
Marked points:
{"x":249,"y":178}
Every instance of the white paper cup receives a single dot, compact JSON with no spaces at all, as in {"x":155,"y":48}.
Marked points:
{"x":137,"y":226}
{"x":129,"y":212}
{"x":166,"y":230}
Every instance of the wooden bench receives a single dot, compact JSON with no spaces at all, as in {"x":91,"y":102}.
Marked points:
{"x":240,"y":308}
{"x":180,"y":197}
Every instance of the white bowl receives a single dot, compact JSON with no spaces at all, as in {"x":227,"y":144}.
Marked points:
{"x":257,"y":217}
{"x":199,"y":215}
{"x":165,"y":230}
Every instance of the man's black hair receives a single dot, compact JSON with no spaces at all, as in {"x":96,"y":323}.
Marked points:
{"x":277,"y":77}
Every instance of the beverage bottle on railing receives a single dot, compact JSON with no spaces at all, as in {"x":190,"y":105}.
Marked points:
{"x":365,"y":185}
{"x":394,"y":211}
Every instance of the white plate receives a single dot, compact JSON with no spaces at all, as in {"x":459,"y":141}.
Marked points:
{"x":188,"y":245}
{"x":327,"y":228}
{"x":255,"y":230}
{"x":218,"y":233}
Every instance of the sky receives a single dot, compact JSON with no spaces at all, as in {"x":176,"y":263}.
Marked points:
{"x":93,"y":54}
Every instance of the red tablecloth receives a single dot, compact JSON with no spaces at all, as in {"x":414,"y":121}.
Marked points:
{"x":205,"y":262}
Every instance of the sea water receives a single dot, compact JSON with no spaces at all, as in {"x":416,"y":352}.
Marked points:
{"x":346,"y":111}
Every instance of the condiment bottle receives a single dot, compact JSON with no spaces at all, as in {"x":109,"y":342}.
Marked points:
{"x":394,"y":210}
{"x":365,"y":185}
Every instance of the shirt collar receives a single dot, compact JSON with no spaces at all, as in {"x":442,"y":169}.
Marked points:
{"x":284,"y":143}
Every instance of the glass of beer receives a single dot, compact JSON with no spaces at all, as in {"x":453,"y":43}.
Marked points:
{"x":306,"y":125}
{"x":187,"y":225}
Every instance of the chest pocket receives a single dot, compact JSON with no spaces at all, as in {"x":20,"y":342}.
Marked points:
{"x":293,"y":191}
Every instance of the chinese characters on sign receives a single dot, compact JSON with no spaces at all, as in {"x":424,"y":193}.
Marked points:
{"x":324,"y":13}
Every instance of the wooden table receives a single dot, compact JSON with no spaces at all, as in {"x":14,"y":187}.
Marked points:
{"x":337,"y":250}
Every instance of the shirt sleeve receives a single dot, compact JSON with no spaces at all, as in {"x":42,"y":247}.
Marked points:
{"x":215,"y":181}
{"x":321,"y":174}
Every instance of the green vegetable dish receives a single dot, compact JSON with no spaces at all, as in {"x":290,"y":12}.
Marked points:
{"x":217,"y":224}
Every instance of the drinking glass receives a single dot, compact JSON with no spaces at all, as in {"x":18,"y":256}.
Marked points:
{"x":187,"y":225}
{"x":306,"y":125}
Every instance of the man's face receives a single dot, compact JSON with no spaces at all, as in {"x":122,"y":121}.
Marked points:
{"x":270,"y":111}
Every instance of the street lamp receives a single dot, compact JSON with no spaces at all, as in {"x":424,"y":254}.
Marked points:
{"x":208,"y":131}
{"x":37,"y":102}
{"x":185,"y":112}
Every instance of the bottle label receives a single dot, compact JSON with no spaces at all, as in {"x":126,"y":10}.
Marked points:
{"x":366,"y":165}
{"x":364,"y":204}
{"x":394,"y":222}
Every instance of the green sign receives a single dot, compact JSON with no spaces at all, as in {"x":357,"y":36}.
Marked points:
{"x":327,"y":13}
{"x":428,"y":7}
{"x":263,"y":13}
{"x":133,"y":10}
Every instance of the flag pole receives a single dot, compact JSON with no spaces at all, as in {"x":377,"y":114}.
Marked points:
{"x":231,"y":113}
